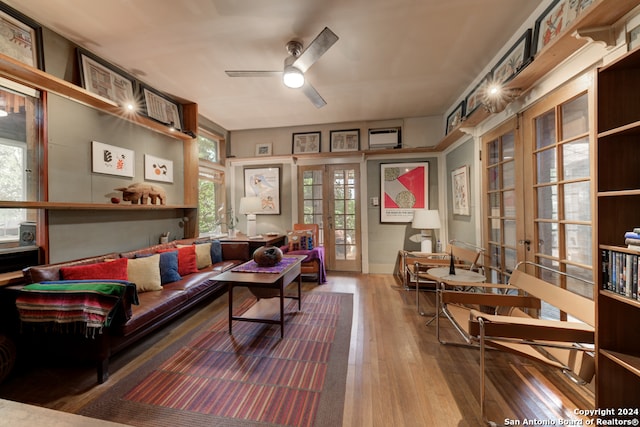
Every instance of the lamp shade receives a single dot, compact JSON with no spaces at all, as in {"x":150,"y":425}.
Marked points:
{"x":292,"y":77}
{"x":250,"y":205}
{"x":426,"y":219}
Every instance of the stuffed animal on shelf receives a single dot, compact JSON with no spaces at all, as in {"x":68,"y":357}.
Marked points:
{"x":141,"y":192}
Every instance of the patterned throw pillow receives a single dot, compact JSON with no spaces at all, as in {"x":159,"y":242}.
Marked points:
{"x":300,"y":240}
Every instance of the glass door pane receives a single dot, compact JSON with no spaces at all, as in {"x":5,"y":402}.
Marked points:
{"x":500,"y":173}
{"x":344,"y":244}
{"x":561,"y":159}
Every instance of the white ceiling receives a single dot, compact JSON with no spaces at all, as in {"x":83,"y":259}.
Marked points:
{"x":394,"y":59}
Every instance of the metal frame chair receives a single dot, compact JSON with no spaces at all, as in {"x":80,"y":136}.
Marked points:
{"x":565,"y":345}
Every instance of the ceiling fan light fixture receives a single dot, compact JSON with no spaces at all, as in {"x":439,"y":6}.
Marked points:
{"x":292,"y":77}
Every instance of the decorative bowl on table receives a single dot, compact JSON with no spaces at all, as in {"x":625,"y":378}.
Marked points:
{"x":267,"y":256}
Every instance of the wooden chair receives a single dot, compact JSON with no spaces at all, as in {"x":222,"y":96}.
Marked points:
{"x":315,"y":265}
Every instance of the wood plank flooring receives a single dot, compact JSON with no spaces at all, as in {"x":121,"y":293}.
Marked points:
{"x":399,"y":375}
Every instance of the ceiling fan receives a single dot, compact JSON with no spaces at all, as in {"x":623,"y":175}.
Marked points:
{"x":297,"y":63}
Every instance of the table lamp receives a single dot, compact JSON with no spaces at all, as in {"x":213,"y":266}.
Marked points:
{"x":249,"y":206}
{"x":425,"y":219}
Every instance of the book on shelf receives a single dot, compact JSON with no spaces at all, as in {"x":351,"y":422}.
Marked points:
{"x":620,"y":273}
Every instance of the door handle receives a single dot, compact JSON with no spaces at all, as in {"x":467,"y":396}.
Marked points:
{"x":525,"y":242}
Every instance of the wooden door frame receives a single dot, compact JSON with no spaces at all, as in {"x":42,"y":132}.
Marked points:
{"x":326,"y":195}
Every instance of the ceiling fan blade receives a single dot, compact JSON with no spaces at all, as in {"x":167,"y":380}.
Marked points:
{"x":234,"y":73}
{"x":313,"y":95}
{"x":316,"y":49}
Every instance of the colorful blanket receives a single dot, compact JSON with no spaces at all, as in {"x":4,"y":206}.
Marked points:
{"x":72,"y":305}
{"x":253,"y":267}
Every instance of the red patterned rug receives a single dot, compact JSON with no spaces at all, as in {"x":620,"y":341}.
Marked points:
{"x":252,"y":378}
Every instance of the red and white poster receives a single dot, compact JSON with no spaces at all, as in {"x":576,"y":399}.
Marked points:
{"x":404,"y":188}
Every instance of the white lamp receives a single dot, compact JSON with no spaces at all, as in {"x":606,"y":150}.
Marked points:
{"x":425,"y":219}
{"x":249,"y":206}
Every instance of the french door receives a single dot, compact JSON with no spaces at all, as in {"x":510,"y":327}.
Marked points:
{"x":503,"y":201}
{"x":537,"y":190}
{"x":329,"y":195}
{"x":559,"y":133}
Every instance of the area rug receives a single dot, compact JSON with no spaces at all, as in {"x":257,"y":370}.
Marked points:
{"x":252,"y":378}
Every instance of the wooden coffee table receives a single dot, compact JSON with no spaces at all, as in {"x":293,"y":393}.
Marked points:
{"x":264,"y":282}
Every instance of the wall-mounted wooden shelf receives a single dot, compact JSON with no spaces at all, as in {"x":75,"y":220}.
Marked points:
{"x":88,"y":206}
{"x":601,"y":13}
{"x":38,"y":79}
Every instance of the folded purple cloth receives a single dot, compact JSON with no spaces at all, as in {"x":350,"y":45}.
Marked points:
{"x":315,"y":253}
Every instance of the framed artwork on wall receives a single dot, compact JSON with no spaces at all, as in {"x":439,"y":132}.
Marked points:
{"x":474,"y":99}
{"x":161,"y":108}
{"x":345,"y":140}
{"x":112,"y":160}
{"x":20,"y":37}
{"x":157,"y":169}
{"x":455,"y":118}
{"x":515,"y":60}
{"x":306,"y":142}
{"x":102,"y":78}
{"x":404,"y":188}
{"x":265,"y":184}
{"x":460,"y":190}
{"x":264,"y":149}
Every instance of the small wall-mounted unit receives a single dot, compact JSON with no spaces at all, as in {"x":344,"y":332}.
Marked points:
{"x":384,"y":138}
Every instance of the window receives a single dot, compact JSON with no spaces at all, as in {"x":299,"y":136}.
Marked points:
{"x":19,"y":148}
{"x":211,"y":190}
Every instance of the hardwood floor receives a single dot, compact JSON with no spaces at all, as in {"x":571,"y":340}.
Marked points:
{"x":399,"y":375}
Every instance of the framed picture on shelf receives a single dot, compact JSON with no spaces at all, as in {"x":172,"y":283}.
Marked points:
{"x":265,"y":184}
{"x":20,"y":37}
{"x":306,"y":142}
{"x":474,"y":99}
{"x":460,"y":190}
{"x":555,"y":20}
{"x":157,"y":169}
{"x":264,"y":149}
{"x":403,"y":189}
{"x":632,"y":28}
{"x":161,"y":108}
{"x":345,"y":140}
{"x":455,"y":118}
{"x":112,"y":160}
{"x":102,"y":78}
{"x":515,"y":60}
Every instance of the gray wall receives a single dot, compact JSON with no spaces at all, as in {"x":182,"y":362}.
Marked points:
{"x":71,"y":128}
{"x":75,"y":234}
{"x":266,"y":223}
{"x":386,"y":239}
{"x":463,"y":227}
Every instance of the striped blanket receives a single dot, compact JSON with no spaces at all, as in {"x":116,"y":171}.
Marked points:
{"x":84,"y":306}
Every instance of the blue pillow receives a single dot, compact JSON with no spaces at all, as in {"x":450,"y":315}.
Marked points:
{"x":168,"y":266}
{"x":216,"y":251}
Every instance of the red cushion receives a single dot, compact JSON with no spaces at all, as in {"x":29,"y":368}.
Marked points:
{"x":114,"y":270}
{"x":187,"y":261}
